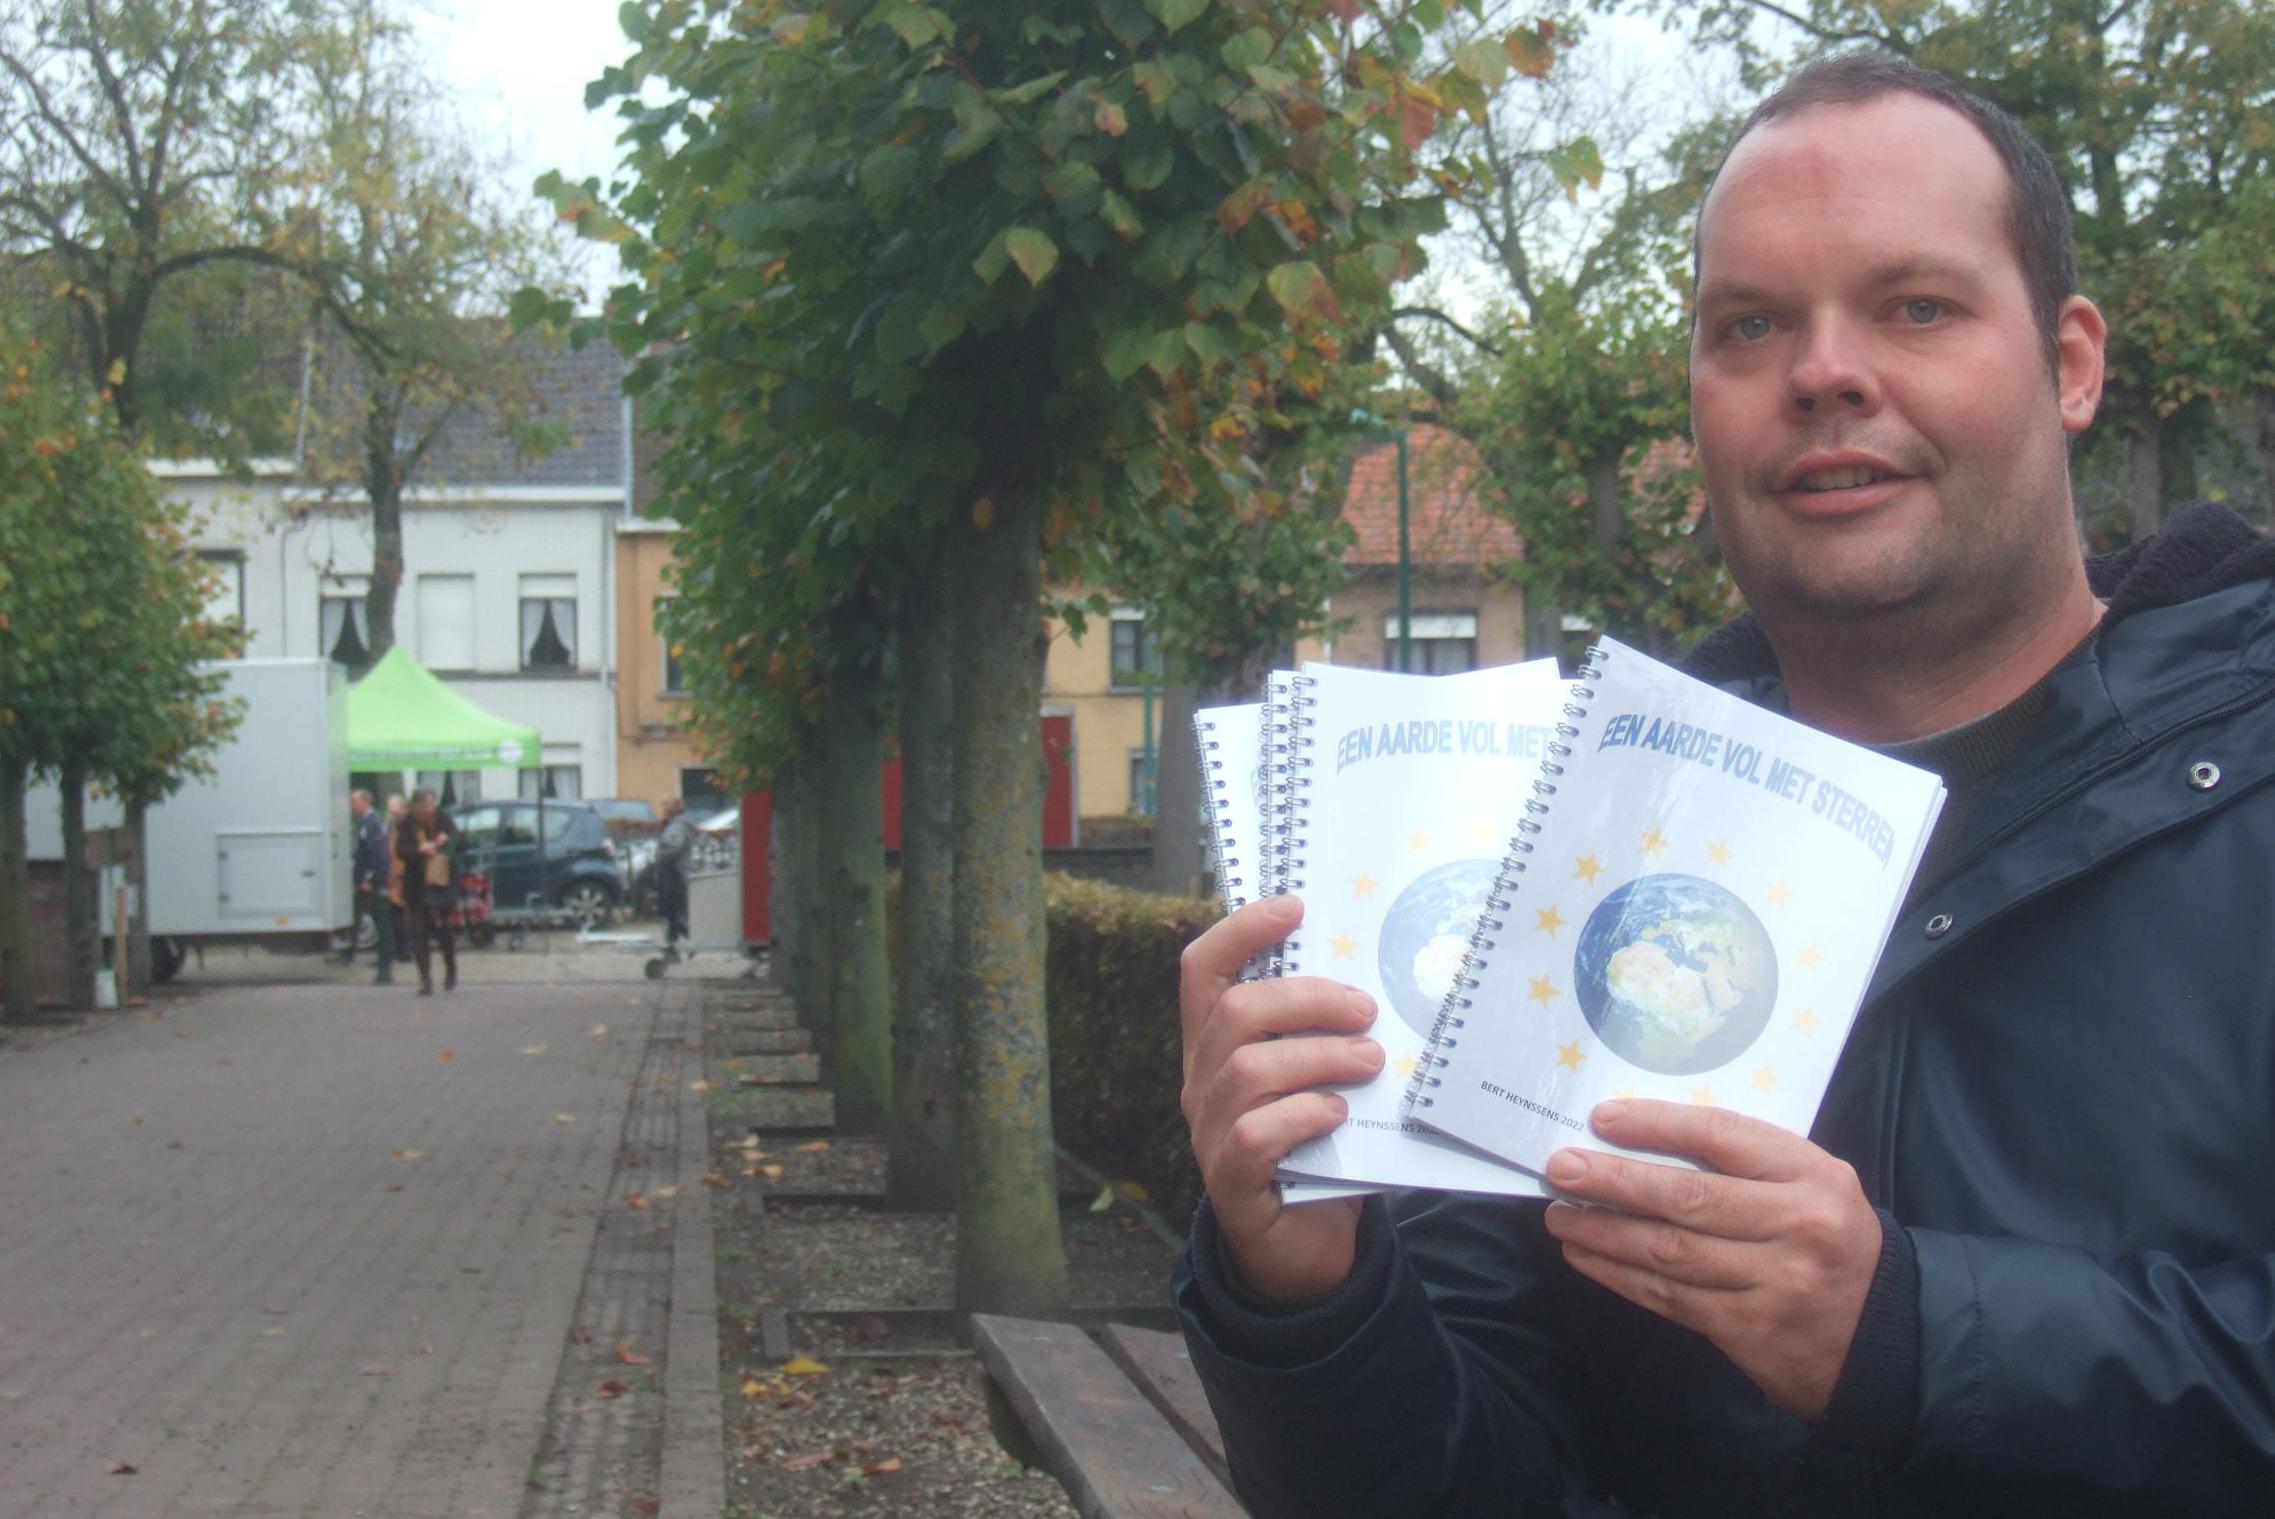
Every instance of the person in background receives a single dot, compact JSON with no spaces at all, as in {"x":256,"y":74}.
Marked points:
{"x":397,"y":810}
{"x":672,"y":851}
{"x":427,"y":845}
{"x":373,"y":863}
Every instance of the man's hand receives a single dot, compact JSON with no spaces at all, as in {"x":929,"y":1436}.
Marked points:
{"x":1771,"y":1259}
{"x":1248,"y":1101}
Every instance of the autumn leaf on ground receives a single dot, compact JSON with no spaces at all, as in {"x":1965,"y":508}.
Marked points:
{"x":533,"y":1049}
{"x":666,"y":1194}
{"x":749,"y":1141}
{"x":819,"y":1144}
{"x":809,"y":1460}
{"x":409,"y":1154}
{"x":612,"y":1388}
{"x":598,"y":1031}
{"x":715,"y":1180}
{"x":753,"y":1387}
{"x":631,"y":1357}
{"x":879,"y":1468}
{"x":564,"y":1118}
{"x":767,"y":1173}
{"x":803,"y":1366}
{"x":125,"y":1469}
{"x":699,"y":1086}
{"x":636,"y":1202}
{"x":446,"y":1056}
{"x":645,"y":1507}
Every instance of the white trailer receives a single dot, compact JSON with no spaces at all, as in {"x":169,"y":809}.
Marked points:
{"x":262,"y":851}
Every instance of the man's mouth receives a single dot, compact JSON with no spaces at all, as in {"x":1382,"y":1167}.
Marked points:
{"x":1842,"y":479}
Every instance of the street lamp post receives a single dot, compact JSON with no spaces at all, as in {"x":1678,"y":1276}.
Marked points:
{"x":1405,"y":567}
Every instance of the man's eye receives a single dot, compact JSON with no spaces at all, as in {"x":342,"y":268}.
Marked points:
{"x":1751,"y":329}
{"x":1920,"y":310}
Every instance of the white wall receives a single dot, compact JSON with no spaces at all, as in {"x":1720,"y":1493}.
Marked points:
{"x":292,"y":559}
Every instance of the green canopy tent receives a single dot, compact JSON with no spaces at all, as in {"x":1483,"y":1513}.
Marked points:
{"x":400,"y":717}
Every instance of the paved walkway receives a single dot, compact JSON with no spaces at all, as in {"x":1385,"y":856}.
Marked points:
{"x":311,"y":1250}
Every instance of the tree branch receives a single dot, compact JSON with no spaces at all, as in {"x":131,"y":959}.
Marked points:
{"x":1434,"y":381}
{"x":1432,"y":314}
{"x":1888,"y":40}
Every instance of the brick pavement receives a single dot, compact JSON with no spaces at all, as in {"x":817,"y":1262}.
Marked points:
{"x":215,"y":1269}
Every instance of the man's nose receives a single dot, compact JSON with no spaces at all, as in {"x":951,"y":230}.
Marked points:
{"x":1832,"y":368}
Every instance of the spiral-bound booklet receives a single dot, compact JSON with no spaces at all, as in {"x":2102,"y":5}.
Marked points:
{"x":1229,"y":742}
{"x":1691,"y":911}
{"x":1404,"y":794}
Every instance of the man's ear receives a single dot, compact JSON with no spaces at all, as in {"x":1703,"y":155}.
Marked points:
{"x":2080,"y":337}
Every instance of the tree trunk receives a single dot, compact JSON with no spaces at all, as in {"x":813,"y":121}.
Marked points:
{"x":138,"y":884}
{"x":920,"y":1172}
{"x":1009,"y":1256}
{"x":383,"y":483}
{"x":19,"y":997}
{"x":1544,"y":626}
{"x":781,"y":866}
{"x":1607,"y":515}
{"x":1180,"y":842}
{"x":79,"y":925}
{"x":853,"y":877}
{"x":2144,"y":457}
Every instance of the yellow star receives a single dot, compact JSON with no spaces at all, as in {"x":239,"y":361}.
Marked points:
{"x":1418,"y":841}
{"x":1571,"y":1056}
{"x":1702,"y":1097}
{"x":1654,"y":842}
{"x":1344,"y":946}
{"x":1810,"y":957}
{"x":1719,"y":852}
{"x":1363,"y":885}
{"x":1587,"y":868}
{"x":1778,"y":894}
{"x":1626,"y":1093}
{"x":1550,"y":920}
{"x":1805,"y":1021}
{"x":1543,"y":988}
{"x":1404,"y":1064}
{"x":1764,"y":1078}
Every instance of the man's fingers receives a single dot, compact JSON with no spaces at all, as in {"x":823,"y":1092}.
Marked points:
{"x":1255,"y":1074}
{"x":1257,"y":1010}
{"x":1240,"y":1177}
{"x":1678,"y":1302}
{"x":1723,"y":1206}
{"x":1728,"y":1142}
{"x":1656,"y":1246}
{"x":1213,"y":961}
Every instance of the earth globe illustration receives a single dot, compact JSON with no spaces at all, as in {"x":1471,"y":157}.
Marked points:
{"x":1675,"y":974}
{"x":1425,"y":935}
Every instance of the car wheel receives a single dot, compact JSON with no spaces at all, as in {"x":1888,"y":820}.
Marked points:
{"x":588,"y":902}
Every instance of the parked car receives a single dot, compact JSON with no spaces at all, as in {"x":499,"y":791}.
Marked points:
{"x":581,"y":877}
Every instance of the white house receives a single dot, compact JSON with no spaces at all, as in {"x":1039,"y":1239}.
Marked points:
{"x":507,"y":591}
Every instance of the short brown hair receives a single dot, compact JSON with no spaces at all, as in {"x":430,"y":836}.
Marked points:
{"x":2038,"y":209}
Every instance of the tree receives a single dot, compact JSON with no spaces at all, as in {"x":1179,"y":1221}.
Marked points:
{"x":940,"y":275}
{"x":416,"y":256}
{"x":101,"y":635}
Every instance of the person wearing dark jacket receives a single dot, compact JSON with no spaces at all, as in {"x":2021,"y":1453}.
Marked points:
{"x":2024,"y":1263}
{"x":373,"y":857}
{"x":426,"y":841}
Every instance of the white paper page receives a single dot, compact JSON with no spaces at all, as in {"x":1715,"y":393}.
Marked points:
{"x":1414,"y":788}
{"x":1697,"y":920}
{"x":1229,"y":742}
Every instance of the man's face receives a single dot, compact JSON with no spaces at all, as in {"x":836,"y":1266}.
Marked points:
{"x":1869,"y":390}
{"x":358,"y":803}
{"x":423,"y":810}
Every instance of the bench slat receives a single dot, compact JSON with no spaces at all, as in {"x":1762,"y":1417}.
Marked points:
{"x":1112,"y":1451}
{"x":1163,"y":1369}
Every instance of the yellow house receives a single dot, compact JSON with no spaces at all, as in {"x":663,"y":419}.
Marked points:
{"x":1463,"y":614}
{"x":655,"y":757}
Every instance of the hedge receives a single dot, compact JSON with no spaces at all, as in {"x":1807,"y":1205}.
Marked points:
{"x":1110,"y":979}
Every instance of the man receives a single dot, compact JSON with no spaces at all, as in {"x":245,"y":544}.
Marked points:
{"x":672,"y":850}
{"x":427,"y":844}
{"x":372,"y":859}
{"x":2025,"y":1263}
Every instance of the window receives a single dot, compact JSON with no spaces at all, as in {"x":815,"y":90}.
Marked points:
{"x":1440,"y":643}
{"x":226,"y":596}
{"x":453,"y":788}
{"x":1141,"y":781}
{"x":346,"y":624}
{"x":1134,"y":654}
{"x":700,"y":789}
{"x":478,"y":826}
{"x":675,"y":679}
{"x":548,"y":622}
{"x":446,"y":622}
{"x":556,"y":783}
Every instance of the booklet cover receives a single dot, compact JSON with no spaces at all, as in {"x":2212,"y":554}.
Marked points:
{"x":1406,"y":792}
{"x":1692,"y":912}
{"x":1229,"y":743}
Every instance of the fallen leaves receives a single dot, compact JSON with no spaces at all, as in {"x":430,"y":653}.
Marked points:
{"x":715,"y":1181}
{"x":612,"y":1388}
{"x":597,"y":1031}
{"x":533,"y":1049}
{"x":804,"y":1366}
{"x":446,"y":1056}
{"x":403,"y":1154}
{"x":636,"y":1201}
{"x":630,"y":1357}
{"x":808,"y":1149}
{"x":564,"y":1118}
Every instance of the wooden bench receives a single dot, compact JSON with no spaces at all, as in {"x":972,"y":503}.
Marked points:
{"x":1120,"y":1420}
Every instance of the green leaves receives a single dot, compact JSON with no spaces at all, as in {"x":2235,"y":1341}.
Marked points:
{"x":1175,"y":15}
{"x":1034,"y":253}
{"x":1302,"y":291}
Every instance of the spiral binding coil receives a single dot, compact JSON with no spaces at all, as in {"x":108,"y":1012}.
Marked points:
{"x":1287,"y":759}
{"x":1500,"y":899}
{"x":1233,"y":881}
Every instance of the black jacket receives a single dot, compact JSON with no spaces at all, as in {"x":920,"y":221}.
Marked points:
{"x":417,"y":894}
{"x":2061,"y":1095}
{"x":372,"y":850}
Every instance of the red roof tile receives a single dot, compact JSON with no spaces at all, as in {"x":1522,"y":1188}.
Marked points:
{"x":1447,"y":522}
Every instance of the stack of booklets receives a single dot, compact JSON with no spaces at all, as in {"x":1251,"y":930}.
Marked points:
{"x":1631,"y":884}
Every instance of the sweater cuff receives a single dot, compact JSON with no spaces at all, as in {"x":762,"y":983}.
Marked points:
{"x":1875,"y":1403}
{"x":1286,"y":1335}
